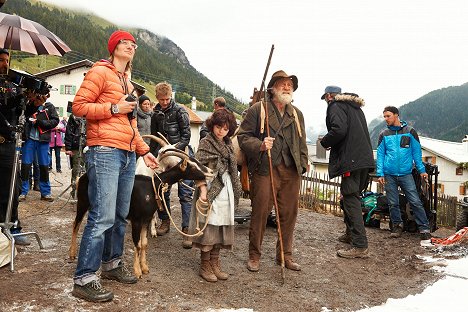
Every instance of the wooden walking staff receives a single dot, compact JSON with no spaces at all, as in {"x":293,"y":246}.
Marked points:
{"x":273,"y":191}
{"x":272,"y":180}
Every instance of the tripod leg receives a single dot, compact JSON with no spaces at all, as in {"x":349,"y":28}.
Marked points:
{"x":31,"y":233}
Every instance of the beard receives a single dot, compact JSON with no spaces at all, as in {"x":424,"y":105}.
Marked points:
{"x":283,"y":98}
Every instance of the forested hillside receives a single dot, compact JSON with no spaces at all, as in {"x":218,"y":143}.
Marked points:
{"x":441,"y":114}
{"x":158,"y":58}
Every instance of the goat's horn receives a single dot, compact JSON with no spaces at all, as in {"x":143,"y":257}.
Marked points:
{"x":155,"y":138}
{"x":176,"y":150}
{"x":183,"y":167}
{"x":163,"y":137}
{"x":179,"y":154}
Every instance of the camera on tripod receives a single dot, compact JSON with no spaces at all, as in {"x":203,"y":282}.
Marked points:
{"x":24,"y":80}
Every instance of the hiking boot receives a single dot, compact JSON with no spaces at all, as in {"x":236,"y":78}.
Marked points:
{"x":216,"y":267}
{"x":425,"y":236}
{"x":59,"y":170}
{"x":426,"y":239}
{"x":93,"y":291}
{"x":36,"y":187}
{"x":345,"y":238}
{"x":186,"y":243}
{"x":353,"y":252}
{"x":22,"y":198}
{"x":164,"y":227}
{"x":206,"y":271}
{"x":396,"y":231}
{"x":47,"y":198}
{"x":253,"y":265}
{"x":120,"y":274}
{"x":290,"y":264}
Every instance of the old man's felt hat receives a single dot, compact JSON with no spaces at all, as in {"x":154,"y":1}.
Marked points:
{"x":280,"y":74}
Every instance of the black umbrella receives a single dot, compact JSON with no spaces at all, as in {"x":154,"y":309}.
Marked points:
{"x":20,"y":34}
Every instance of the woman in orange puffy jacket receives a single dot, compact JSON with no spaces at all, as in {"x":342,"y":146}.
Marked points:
{"x":113,"y":139}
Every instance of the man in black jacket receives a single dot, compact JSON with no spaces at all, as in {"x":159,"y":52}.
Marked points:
{"x":172,"y":121}
{"x":75,"y":136}
{"x":351,"y":158}
{"x":10,"y":110}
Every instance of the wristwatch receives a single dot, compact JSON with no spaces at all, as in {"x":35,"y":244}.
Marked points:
{"x":114,"y":109}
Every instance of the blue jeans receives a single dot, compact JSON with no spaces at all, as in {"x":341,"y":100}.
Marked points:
{"x":111,"y":174}
{"x":185,"y":199}
{"x":407,"y":185}
{"x":31,"y":149}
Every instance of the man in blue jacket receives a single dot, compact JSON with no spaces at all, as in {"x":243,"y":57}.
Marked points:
{"x":398,"y":149}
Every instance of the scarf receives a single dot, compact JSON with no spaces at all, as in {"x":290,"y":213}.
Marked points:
{"x":144,"y":115}
{"x":219,"y":156}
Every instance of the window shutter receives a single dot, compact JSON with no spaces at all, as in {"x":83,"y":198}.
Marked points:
{"x":73,"y":90}
{"x":62,"y":89}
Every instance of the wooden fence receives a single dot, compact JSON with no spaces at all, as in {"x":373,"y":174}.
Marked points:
{"x":321,"y":194}
{"x":446,"y":210}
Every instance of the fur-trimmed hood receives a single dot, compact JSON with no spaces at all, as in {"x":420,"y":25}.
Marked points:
{"x":350,"y":98}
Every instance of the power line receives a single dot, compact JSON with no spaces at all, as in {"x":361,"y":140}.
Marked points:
{"x":178,"y":85}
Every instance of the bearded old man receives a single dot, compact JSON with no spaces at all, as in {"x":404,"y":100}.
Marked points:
{"x":287,"y":145}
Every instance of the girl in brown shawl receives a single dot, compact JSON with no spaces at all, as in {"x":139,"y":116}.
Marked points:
{"x":216,"y":151}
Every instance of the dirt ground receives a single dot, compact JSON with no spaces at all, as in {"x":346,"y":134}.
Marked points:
{"x":42,"y":280}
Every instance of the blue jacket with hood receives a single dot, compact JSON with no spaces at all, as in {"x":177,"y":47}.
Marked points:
{"x":398,"y":149}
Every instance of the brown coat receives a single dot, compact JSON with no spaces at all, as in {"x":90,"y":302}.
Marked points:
{"x":102,"y":86}
{"x":250,"y":138}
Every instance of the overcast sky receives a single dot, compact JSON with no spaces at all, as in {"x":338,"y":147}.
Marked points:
{"x":389,"y":52}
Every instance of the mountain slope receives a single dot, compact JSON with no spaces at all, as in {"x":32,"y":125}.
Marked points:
{"x":441,"y":114}
{"x":158,"y":58}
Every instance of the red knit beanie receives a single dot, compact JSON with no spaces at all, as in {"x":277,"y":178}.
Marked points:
{"x":116,"y":37}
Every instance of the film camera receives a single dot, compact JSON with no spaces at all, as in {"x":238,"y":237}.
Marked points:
{"x":28,"y":81}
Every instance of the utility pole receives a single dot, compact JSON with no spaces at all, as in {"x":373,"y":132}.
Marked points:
{"x":213,"y":93}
